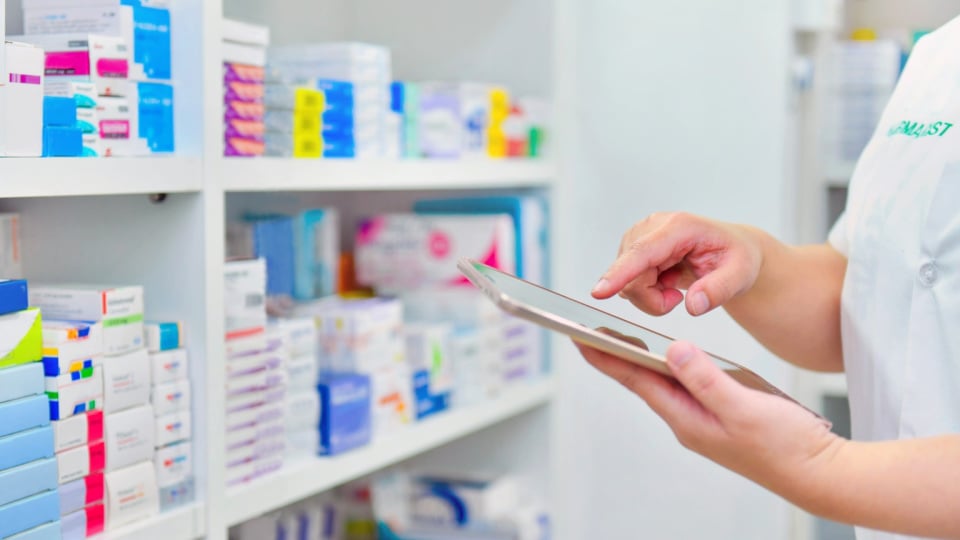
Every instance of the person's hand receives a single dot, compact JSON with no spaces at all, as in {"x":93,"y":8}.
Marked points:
{"x":667,"y":253}
{"x":766,"y":438}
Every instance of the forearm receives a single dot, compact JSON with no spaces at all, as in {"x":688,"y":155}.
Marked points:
{"x":909,"y":487}
{"x":793,"y":308}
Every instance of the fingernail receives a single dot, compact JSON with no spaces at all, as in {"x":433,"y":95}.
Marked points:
{"x":601,"y":285}
{"x":680,"y":354}
{"x":699,"y":303}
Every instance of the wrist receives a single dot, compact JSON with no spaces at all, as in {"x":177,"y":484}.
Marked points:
{"x":816,"y":484}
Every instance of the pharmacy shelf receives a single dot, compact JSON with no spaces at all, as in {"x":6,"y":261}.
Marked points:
{"x":282,"y":174}
{"x":68,"y":177}
{"x":302,"y":480}
{"x":186,"y":523}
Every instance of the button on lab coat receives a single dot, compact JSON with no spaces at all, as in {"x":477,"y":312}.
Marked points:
{"x":900,"y":313}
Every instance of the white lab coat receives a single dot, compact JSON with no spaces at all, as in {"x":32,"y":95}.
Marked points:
{"x":901,"y":233}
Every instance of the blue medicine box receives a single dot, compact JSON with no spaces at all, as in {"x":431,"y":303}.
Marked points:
{"x":273,"y":241}
{"x":427,"y":403}
{"x":48,"y":531}
{"x":336,"y":92}
{"x":21,"y":381}
{"x":345,"y":417}
{"x":23,"y":414}
{"x":13,"y":296}
{"x":59,"y":111}
{"x":155,"y":120}
{"x":151,"y":40}
{"x":28,"y":479}
{"x":26,"y":446}
{"x":28,"y":513}
{"x":62,"y":141}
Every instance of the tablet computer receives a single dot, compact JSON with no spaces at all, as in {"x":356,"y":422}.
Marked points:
{"x":591,"y":326}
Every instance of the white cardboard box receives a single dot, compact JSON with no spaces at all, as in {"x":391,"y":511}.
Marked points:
{"x":21,"y":100}
{"x":131,"y":494}
{"x":129,"y":437}
{"x":126,"y":381}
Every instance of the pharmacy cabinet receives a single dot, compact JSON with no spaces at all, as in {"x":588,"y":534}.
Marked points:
{"x":822,"y":179}
{"x":160,"y":221}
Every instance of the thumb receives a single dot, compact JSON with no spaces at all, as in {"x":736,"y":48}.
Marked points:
{"x":705,"y":381}
{"x":714,"y":289}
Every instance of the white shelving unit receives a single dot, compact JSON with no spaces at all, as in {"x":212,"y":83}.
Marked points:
{"x":69,"y":177}
{"x":97,"y":220}
{"x":186,"y":522}
{"x":272,"y":174}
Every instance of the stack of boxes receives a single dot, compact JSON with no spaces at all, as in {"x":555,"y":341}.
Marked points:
{"x":256,"y":378}
{"x":129,"y":426}
{"x":62,"y":136}
{"x":29,"y":500}
{"x":122,"y":47}
{"x":302,"y":251}
{"x":73,"y":365}
{"x":170,"y":396}
{"x":293,"y":121}
{"x":365,"y":337}
{"x":302,"y":412}
{"x":463,"y":120}
{"x":244,"y":58}
{"x":21,"y":100}
{"x":368,"y":69}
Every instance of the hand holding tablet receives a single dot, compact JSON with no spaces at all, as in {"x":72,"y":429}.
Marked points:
{"x":592,"y":327}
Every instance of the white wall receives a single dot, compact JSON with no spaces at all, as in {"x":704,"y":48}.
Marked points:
{"x":680,"y":106}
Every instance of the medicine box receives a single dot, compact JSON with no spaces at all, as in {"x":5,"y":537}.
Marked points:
{"x":26,"y":446}
{"x":245,"y":286}
{"x":174,"y":464}
{"x":59,"y":111}
{"x":81,"y":462}
{"x":62,"y":141}
{"x":21,"y":381}
{"x":119,"y":309}
{"x":147,"y":30}
{"x":100,"y":59}
{"x":345,"y":405}
{"x":302,"y":411}
{"x":241,"y":32}
{"x":169,"y":366}
{"x":13,"y":295}
{"x":131,"y":494}
{"x":84,"y":94}
{"x":171,"y":397}
{"x":47,"y":531}
{"x":126,"y":381}
{"x":21,"y":100}
{"x":81,"y":493}
{"x":129,"y":437}
{"x":70,"y":396}
{"x":21,"y":338}
{"x":56,"y":332}
{"x":70,"y":355}
{"x":23,"y":414}
{"x":28,"y":513}
{"x":172,"y":428}
{"x":163,"y":336}
{"x":28,"y":479}
{"x":10,"y":262}
{"x":85,"y":523}
{"x":177,"y":494}
{"x":317,"y":251}
{"x":400,"y":252}
{"x":152,"y":115}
